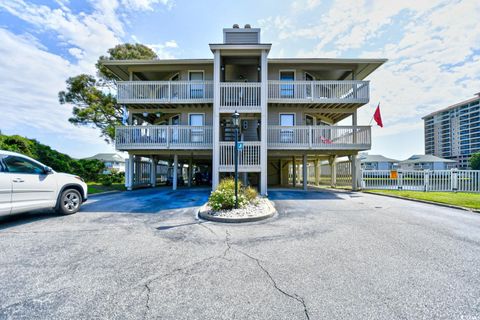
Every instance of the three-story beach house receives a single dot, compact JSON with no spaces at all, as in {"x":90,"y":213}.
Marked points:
{"x":180,"y":113}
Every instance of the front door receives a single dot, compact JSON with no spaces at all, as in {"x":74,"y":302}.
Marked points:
{"x":197,"y":121}
{"x":32,"y":188}
{"x":196,"y":88}
{"x":287,"y":90}
{"x":287,"y":120}
{"x":174,"y":121}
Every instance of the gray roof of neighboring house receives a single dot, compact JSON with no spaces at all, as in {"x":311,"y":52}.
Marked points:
{"x":107,"y":157}
{"x":425,"y":158}
{"x":375,"y":158}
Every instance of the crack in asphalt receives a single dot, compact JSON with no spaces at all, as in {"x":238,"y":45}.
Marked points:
{"x":208,"y":228}
{"x":275,"y":285}
{"x":147,"y":302}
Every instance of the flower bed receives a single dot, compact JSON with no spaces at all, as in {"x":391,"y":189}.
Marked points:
{"x":221,"y":204}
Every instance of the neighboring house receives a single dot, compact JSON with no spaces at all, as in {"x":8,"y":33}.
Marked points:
{"x":377,"y":162}
{"x":180,"y":110}
{"x":426,"y":162}
{"x":454,"y":132}
{"x":111,"y":161}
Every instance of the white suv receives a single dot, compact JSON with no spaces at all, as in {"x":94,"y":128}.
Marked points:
{"x":26,"y":184}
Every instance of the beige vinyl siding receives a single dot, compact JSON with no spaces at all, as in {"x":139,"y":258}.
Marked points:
{"x":165,"y":72}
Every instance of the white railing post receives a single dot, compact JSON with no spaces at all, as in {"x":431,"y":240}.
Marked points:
{"x":400,"y":180}
{"x":168,"y":137}
{"x":310,"y":136}
{"x":454,"y":179}
{"x":426,"y":180}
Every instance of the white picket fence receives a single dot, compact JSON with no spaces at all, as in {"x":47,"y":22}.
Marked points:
{"x":439,"y":180}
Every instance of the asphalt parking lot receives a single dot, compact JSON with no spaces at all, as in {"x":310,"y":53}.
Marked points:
{"x":326,"y":255}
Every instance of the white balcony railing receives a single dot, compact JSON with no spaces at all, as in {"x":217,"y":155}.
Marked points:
{"x":248,"y":157}
{"x":319,"y":137}
{"x":318,"y":91}
{"x":165,"y":91}
{"x":241,"y":96}
{"x":163,"y":137}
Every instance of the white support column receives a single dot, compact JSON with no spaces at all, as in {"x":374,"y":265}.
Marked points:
{"x":294,"y":172}
{"x":317,"y":172}
{"x":129,"y":172}
{"x":264,"y":124}
{"x":175,"y":172}
{"x":216,"y":120}
{"x":281,"y":173}
{"x":333,"y":171}
{"x":354,"y":173}
{"x":354,"y":123}
{"x":153,"y":171}
{"x":305,"y":172}
{"x":190,"y":172}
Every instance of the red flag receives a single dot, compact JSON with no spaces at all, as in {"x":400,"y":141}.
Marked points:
{"x":377,"y":117}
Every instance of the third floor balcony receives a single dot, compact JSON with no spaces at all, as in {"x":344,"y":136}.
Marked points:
{"x":245,"y":96}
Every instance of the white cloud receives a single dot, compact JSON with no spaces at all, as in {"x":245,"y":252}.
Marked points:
{"x":145,"y":5}
{"x":433,"y":55}
{"x":29,"y":95}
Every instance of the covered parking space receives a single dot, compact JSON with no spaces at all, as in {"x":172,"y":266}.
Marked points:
{"x":297,"y":169}
{"x":175,"y":168}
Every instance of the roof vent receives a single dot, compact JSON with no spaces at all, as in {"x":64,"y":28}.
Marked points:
{"x":248,"y":26}
{"x":235,"y":26}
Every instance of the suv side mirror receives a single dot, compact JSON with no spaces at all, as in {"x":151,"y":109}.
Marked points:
{"x":47,"y":170}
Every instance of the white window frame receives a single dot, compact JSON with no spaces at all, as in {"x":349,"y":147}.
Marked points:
{"x":196,"y":113}
{"x":311,"y":75}
{"x":287,"y":70}
{"x":305,"y":115}
{"x":192,"y":71}
{"x":175,"y":115}
{"x":175,"y":74}
{"x":287,"y":113}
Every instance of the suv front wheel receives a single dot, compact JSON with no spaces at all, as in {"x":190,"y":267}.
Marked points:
{"x":69,"y":202}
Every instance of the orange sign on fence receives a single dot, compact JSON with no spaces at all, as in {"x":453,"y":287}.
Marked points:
{"x":393,"y":174}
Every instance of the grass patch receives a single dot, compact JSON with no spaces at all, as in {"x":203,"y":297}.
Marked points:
{"x":95,"y":187}
{"x":462,"y":199}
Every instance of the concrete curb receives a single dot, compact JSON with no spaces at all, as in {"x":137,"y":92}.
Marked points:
{"x":203,"y":214}
{"x":446,"y":205}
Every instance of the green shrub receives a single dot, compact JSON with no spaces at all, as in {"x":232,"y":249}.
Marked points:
{"x":106,"y":180}
{"x":250,"y":193}
{"x":223,"y":198}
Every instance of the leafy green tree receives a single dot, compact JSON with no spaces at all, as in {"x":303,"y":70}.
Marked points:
{"x":93,"y":99}
{"x":475,"y":161}
{"x":90,"y":170}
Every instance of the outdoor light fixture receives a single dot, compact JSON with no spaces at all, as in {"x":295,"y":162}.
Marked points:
{"x":145,"y":114}
{"x":236,"y":124}
{"x":158,"y":114}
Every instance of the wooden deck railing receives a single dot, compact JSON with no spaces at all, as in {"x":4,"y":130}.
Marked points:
{"x":165,"y":91}
{"x":318,"y":91}
{"x":163,"y":137}
{"x":319,"y":137}
{"x":241,"y":96}
{"x":248,"y":157}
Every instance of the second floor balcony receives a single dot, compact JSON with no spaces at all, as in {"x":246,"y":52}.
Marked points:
{"x":163,"y":137}
{"x":243,"y":96}
{"x":178,"y":137}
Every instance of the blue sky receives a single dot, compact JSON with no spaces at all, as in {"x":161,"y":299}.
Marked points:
{"x":432,"y":46}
